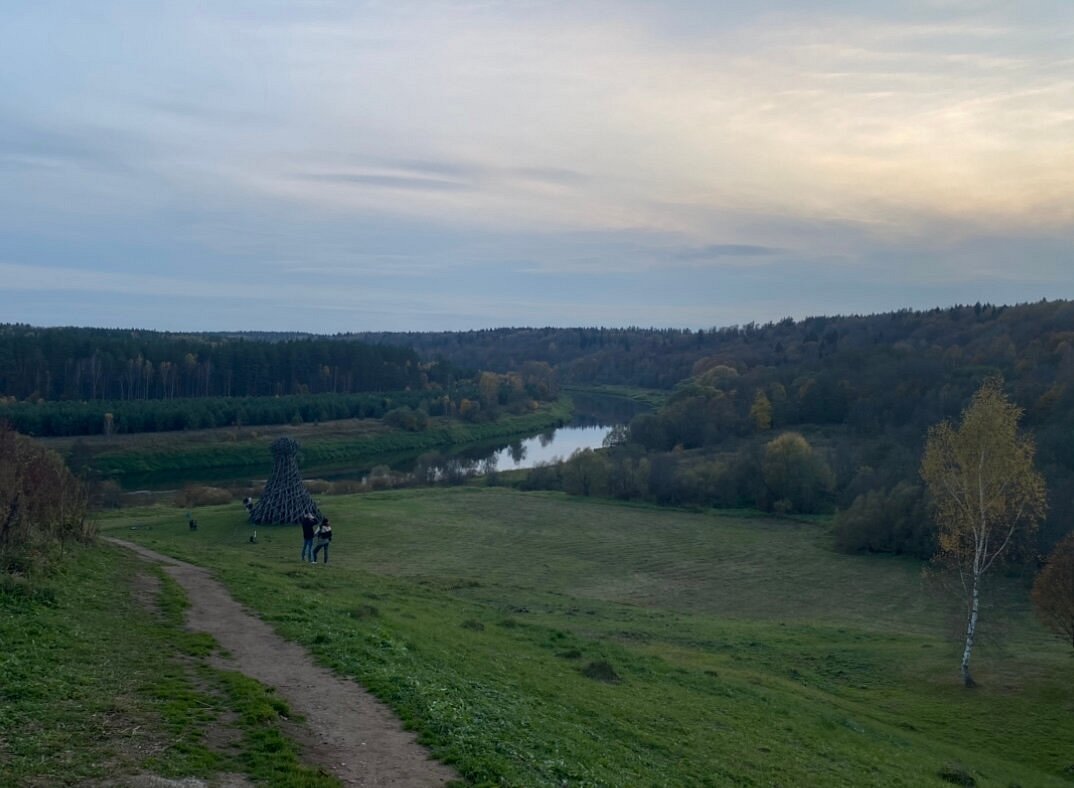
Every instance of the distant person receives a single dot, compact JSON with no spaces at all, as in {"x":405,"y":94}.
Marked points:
{"x":324,"y":538}
{"x":308,"y":521}
{"x":248,"y":502}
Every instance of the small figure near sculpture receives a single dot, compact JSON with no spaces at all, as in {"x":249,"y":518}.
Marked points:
{"x":309,"y":524}
{"x":323,"y":537}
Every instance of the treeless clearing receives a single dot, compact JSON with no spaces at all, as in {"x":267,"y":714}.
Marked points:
{"x":346,"y":731}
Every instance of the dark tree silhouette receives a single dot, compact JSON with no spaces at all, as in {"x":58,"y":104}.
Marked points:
{"x":285,"y":498}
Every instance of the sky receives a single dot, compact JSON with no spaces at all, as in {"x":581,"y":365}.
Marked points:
{"x":386,"y":165}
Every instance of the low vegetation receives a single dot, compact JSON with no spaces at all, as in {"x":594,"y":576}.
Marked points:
{"x":537,"y":639}
{"x":1053,"y":591}
{"x":330,"y":443}
{"x":99,"y":681}
{"x":43,"y":507}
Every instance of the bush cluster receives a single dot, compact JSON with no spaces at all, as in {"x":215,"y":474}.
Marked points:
{"x":43,"y":506}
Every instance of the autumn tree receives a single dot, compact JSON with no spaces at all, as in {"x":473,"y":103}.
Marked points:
{"x":761,"y":412}
{"x":1053,"y":591}
{"x":585,"y":473}
{"x":797,"y":479}
{"x":986,"y":495}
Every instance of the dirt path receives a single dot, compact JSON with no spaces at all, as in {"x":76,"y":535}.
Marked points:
{"x":347,"y":731}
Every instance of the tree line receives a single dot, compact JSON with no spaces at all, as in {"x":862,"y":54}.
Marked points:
{"x":74,"y":364}
{"x":478,"y":399}
{"x":52,"y":419}
{"x":862,"y":390}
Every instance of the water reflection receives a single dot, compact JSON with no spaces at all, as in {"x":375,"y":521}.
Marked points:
{"x":596,"y":418}
{"x":549,"y":446}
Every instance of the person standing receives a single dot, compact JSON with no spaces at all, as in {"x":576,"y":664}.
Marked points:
{"x":308,"y":521}
{"x":324,"y":538}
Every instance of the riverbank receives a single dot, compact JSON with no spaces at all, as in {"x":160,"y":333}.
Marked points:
{"x":349,"y":440}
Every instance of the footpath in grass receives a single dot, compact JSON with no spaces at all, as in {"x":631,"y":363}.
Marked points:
{"x":100,"y":684}
{"x":535,"y":639}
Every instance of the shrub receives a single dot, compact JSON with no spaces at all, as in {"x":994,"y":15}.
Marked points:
{"x":601,"y":670}
{"x":106,"y":494}
{"x":42,"y":504}
{"x":406,"y":418}
{"x":891,"y":521}
{"x":346,"y":487}
{"x":794,"y":473}
{"x":193,"y":495}
{"x":957,"y":775}
{"x":381,"y":478}
{"x":1053,"y":591}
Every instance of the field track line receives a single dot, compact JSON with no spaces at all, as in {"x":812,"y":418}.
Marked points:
{"x":347,"y":732}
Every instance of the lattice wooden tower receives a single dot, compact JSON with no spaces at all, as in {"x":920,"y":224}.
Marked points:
{"x":286,"y":498}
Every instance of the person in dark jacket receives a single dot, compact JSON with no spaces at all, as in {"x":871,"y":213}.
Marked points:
{"x":308,"y":521}
{"x":324,"y":538}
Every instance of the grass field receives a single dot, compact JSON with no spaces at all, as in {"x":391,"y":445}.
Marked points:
{"x":535,"y":639}
{"x":97,"y":683}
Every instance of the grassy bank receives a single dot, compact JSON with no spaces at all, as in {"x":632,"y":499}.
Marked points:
{"x":535,"y":639}
{"x":99,"y":681}
{"x":353,"y":441}
{"x":651,"y":398}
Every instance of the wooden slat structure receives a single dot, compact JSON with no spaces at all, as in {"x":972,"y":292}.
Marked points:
{"x":286,"y":498}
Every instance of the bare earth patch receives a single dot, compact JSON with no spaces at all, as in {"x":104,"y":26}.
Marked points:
{"x":146,"y":590}
{"x":347,"y":732}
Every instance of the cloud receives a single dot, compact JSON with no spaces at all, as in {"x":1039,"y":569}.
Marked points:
{"x":716,"y":251}
{"x":387,"y":181}
{"x":304,"y":150}
{"x":446,"y":175}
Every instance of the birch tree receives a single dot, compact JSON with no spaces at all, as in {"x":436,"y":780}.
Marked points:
{"x":986,"y":496}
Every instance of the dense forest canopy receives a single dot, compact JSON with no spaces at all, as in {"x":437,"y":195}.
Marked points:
{"x":900,"y":370}
{"x":864,"y":390}
{"x":659,"y":358}
{"x":108,"y":364}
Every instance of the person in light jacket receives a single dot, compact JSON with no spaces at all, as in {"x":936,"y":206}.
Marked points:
{"x":322,"y":538}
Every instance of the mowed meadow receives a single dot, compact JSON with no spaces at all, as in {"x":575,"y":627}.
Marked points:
{"x":537,"y":639}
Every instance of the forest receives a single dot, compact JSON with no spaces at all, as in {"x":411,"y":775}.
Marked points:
{"x":821,"y":415}
{"x":824,"y":415}
{"x":107,"y":364}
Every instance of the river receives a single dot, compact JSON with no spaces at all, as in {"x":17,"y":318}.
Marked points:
{"x":594,"y":417}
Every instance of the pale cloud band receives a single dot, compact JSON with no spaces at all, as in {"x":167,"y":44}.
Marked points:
{"x":441,"y":157}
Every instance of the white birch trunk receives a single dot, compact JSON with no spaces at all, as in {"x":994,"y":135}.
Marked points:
{"x":971,"y":631}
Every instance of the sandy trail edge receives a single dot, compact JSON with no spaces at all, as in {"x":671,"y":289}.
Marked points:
{"x":347,"y":732}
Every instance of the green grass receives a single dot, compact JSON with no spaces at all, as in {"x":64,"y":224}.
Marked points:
{"x":535,"y":639}
{"x":653,"y":398}
{"x":332,"y":442}
{"x":95,"y":684}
